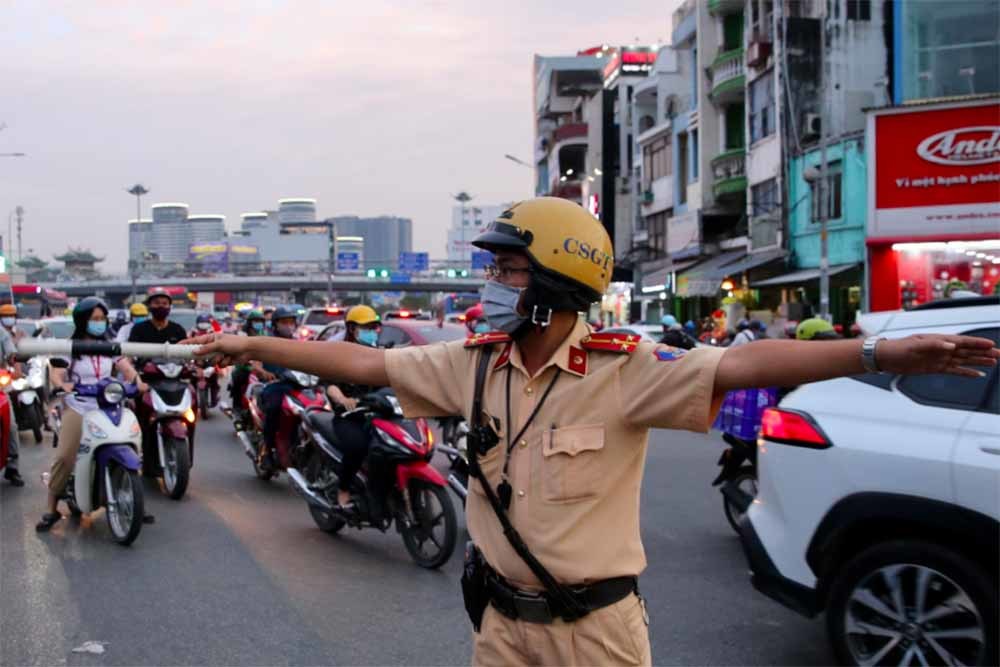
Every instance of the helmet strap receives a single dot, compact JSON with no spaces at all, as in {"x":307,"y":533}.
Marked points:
{"x":541,"y":316}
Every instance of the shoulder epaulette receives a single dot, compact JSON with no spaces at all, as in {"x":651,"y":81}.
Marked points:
{"x":488,"y":338}
{"x":610,"y":342}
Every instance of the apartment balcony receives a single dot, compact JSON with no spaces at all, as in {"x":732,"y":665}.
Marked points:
{"x":569,"y":131}
{"x":728,"y":77}
{"x":729,"y":172}
{"x":723,"y":7}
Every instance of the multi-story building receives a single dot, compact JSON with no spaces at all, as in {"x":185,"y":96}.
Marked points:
{"x":296,"y":211}
{"x":385,"y":237}
{"x":207,"y":228}
{"x":170,"y":235}
{"x":139,"y":237}
{"x":467,"y":223}
{"x":254,"y":220}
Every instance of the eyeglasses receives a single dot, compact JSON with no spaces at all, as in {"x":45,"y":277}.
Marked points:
{"x":504,"y":273}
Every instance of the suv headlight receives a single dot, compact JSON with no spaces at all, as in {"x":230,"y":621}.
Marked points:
{"x":114,"y":393}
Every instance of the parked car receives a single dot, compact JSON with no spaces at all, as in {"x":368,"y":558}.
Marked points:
{"x":878,"y":503}
{"x":403,"y":333}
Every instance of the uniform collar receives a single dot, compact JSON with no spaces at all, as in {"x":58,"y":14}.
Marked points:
{"x":569,"y":356}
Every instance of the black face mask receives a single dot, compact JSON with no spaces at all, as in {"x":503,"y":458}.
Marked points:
{"x":160,"y":312}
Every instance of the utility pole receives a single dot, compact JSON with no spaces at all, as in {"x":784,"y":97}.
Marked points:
{"x":821,"y":189}
{"x":133,"y":265}
{"x":331,"y":237}
{"x":19,"y":213}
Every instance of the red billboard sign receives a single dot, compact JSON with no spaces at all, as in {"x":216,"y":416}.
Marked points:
{"x":936,"y":170}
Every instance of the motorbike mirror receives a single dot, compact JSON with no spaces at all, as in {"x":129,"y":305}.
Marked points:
{"x":59,"y":362}
{"x":37,"y":333}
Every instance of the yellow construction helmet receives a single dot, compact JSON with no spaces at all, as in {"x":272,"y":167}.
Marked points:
{"x":138,"y":310}
{"x":8,"y":310}
{"x":362,"y":315}
{"x":569,"y":248}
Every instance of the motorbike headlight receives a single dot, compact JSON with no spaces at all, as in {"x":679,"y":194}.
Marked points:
{"x":397,"y":409}
{"x":20,"y":384}
{"x":114,"y":393}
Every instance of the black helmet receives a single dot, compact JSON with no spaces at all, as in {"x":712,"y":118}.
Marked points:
{"x":82,"y":312}
{"x":284,"y":312}
{"x":158,"y":291}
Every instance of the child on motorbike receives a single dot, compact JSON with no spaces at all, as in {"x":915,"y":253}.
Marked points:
{"x":90,"y":320}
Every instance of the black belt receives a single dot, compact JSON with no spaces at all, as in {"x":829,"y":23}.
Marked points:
{"x":540,"y":607}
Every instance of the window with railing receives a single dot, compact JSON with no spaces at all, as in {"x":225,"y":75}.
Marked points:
{"x":657,"y":226}
{"x":764,"y":197}
{"x":656,"y":161}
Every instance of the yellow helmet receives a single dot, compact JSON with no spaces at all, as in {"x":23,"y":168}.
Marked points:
{"x":138,"y":310}
{"x":569,"y":248}
{"x":8,"y":310}
{"x":362,"y":315}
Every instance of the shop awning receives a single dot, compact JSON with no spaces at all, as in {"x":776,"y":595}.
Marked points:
{"x":753,"y":260}
{"x":659,"y":279}
{"x":800,"y":277}
{"x":705,"y":278}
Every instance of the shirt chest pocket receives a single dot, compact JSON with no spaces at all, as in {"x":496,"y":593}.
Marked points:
{"x":572,"y":461}
{"x":491,"y":464}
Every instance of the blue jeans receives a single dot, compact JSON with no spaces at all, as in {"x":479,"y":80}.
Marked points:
{"x":271,"y":398}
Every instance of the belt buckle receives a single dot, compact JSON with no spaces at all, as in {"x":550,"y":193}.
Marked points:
{"x":532,"y":608}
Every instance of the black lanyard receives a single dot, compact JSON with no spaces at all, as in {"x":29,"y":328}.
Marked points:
{"x":504,"y":490}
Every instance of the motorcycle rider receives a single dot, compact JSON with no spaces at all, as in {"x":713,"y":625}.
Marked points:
{"x":475,"y":320}
{"x":363,"y":327}
{"x":8,"y":347}
{"x":90,"y":322}
{"x":283,"y":323}
{"x":203,"y":325}
{"x":252,"y":326}
{"x":571,"y":488}
{"x":139,"y":313}
{"x":816,"y":328}
{"x":158,"y":329}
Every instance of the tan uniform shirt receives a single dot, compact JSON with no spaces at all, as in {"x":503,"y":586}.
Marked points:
{"x":577,"y":470}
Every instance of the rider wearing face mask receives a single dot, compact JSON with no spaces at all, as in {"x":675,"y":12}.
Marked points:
{"x":139,"y":313}
{"x":363,"y":328}
{"x":284,"y":320}
{"x":253,"y":326}
{"x":159,"y":328}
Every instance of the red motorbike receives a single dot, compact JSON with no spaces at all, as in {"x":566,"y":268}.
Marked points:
{"x":207,"y":375}
{"x":305,"y":394}
{"x":396,"y":482}
{"x":4,"y":422}
{"x":167,"y":413}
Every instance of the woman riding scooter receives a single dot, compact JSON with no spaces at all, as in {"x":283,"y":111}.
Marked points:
{"x":90,"y":320}
{"x":363,"y":328}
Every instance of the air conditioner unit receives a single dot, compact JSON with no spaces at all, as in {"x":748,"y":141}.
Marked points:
{"x":811,"y":126}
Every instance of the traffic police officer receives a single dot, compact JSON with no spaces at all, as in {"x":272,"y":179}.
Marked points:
{"x":570,"y":411}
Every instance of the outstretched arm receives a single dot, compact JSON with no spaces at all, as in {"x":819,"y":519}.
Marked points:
{"x":344,"y":362}
{"x":787,"y":363}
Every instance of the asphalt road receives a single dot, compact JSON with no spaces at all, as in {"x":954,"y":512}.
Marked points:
{"x":237,"y":574}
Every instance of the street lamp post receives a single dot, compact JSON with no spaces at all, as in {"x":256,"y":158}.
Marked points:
{"x":138,"y":190}
{"x":821,"y":190}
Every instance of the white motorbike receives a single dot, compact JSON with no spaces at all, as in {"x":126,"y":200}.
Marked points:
{"x":27,"y":396}
{"x":107,"y":472}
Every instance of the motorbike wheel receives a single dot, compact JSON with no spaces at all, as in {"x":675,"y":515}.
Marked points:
{"x":746,"y":481}
{"x":432,"y":531}
{"x":203,"y":403}
{"x":176,"y":468}
{"x":125,"y":509}
{"x":326,"y":521}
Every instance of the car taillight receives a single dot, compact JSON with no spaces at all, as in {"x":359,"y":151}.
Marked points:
{"x":792,"y":428}
{"x":4,"y":379}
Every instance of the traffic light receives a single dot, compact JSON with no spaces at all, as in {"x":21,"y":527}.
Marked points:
{"x":378,"y":273}
{"x":458,"y":273}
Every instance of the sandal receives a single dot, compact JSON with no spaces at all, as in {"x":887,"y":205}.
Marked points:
{"x":49,"y":519}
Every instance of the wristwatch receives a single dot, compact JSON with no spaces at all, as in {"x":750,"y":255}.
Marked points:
{"x":868,"y":354}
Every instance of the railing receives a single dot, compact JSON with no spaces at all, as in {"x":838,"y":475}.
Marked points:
{"x":719,"y":7}
{"x":729,"y":172}
{"x":569,"y":131}
{"x":728,"y":72}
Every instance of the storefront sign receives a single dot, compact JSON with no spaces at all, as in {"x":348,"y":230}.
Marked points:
{"x":934,"y":170}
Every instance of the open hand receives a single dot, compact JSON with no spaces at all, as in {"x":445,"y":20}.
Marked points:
{"x":227,"y":348}
{"x":936,"y":353}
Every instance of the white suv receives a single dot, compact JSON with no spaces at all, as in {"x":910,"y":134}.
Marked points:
{"x":879,"y":503}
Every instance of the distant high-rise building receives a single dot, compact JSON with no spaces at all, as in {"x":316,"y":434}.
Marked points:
{"x":139,"y":236}
{"x":170,"y":235}
{"x":384,"y":237}
{"x":254,"y":220}
{"x":296,"y":211}
{"x":467,"y":223}
{"x":207,"y":228}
